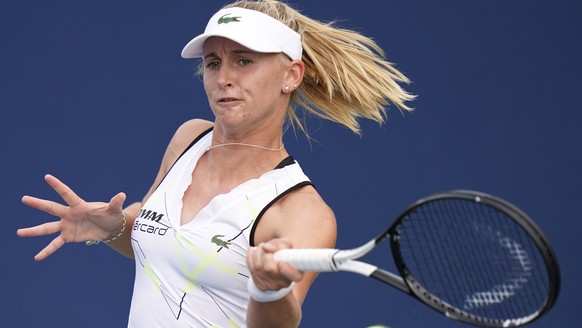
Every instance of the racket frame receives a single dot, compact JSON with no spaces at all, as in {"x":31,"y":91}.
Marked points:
{"x":333,"y":260}
{"x":519,"y":217}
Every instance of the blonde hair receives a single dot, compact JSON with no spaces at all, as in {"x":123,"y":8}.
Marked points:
{"x":346,"y":75}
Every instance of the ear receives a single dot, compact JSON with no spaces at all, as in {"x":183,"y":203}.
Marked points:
{"x":295,"y":72}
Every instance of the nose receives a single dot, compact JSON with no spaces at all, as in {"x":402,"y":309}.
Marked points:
{"x":225,"y":77}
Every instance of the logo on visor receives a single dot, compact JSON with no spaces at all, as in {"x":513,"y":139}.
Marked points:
{"x":226,"y":20}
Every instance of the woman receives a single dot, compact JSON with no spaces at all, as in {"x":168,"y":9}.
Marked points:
{"x":228,"y":195}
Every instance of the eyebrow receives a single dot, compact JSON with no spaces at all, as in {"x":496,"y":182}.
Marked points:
{"x":236,"y":52}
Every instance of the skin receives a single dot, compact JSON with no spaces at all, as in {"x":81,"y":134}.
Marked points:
{"x":246,"y":92}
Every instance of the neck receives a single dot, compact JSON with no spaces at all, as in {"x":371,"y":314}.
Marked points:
{"x":231,"y":166}
{"x":241,"y":144}
{"x":260,"y":148}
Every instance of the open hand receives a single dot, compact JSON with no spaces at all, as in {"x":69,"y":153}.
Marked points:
{"x":80,"y":221}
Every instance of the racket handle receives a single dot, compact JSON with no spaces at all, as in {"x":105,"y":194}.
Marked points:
{"x":312,"y":260}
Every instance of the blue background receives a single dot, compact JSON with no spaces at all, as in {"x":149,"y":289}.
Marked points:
{"x":92,"y":91}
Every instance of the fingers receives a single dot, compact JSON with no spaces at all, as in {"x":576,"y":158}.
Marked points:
{"x":78,"y":220}
{"x":44,"y":205}
{"x":51,"y":207}
{"x":63,"y":190}
{"x":277,"y":244}
{"x":40,"y":230}
{"x":268,"y":273}
{"x":289,"y":271}
{"x":262,"y":268}
{"x":50,"y":248}
{"x":117,"y":201}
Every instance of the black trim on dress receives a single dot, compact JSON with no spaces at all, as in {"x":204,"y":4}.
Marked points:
{"x":295,"y":187}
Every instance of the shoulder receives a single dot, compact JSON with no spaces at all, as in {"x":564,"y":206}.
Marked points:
{"x":301,"y":216}
{"x":182,"y":138}
{"x":188,"y":131}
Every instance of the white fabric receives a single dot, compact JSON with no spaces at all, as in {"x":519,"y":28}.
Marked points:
{"x":254,"y":30}
{"x":195,"y":275}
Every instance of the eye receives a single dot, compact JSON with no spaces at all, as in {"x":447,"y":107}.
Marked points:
{"x":245,"y":62}
{"x":213,"y":65}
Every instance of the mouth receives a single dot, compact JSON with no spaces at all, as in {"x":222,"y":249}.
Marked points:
{"x":227,"y":100}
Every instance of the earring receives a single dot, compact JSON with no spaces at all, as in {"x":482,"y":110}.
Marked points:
{"x":286,"y":89}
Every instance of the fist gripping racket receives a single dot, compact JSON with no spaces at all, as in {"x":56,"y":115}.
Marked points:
{"x":471,"y":256}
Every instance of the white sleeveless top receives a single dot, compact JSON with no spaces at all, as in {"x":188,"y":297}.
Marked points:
{"x":195,"y":275}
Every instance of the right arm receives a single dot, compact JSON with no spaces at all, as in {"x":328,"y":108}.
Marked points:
{"x":81,"y":221}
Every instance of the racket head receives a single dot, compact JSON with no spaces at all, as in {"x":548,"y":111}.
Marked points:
{"x":475,"y":258}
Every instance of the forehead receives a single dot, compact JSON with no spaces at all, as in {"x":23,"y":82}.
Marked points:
{"x":216,"y":43}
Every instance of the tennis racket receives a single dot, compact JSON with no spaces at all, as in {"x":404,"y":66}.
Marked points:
{"x":471,"y":256}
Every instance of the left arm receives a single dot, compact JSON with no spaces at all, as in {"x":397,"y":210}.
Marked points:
{"x":300,"y":220}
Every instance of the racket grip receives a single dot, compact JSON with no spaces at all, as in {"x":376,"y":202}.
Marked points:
{"x":312,"y":260}
{"x":264,"y":296}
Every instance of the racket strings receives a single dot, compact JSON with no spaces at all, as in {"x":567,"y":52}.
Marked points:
{"x":490,"y":246}
{"x":474,"y":258}
{"x":462,"y":272}
{"x":503,"y":279}
{"x":523,"y":271}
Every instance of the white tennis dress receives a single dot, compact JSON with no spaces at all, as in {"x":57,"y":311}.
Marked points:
{"x":195,"y":275}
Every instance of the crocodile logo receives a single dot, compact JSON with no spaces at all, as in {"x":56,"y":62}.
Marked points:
{"x":219,"y":242}
{"x":226,"y":20}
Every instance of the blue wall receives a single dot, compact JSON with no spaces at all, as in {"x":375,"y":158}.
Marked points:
{"x":92,"y":92}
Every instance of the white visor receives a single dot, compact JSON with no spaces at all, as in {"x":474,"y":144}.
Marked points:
{"x":250,"y":28}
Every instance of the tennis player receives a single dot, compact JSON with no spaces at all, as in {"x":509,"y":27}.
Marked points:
{"x":228,"y":195}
